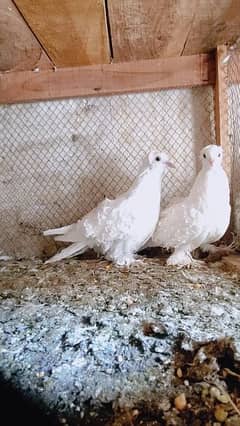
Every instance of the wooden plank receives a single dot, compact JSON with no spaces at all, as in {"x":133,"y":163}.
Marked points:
{"x":143,"y":29}
{"x":221,"y":107}
{"x":108,"y":79}
{"x":72,"y":32}
{"x":216,"y":22}
{"x":148,"y":29}
{"x":19,"y":48}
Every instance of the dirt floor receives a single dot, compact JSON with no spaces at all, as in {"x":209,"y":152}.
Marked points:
{"x":86,"y":343}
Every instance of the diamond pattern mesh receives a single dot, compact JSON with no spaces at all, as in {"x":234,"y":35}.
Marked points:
{"x":234,"y":132}
{"x":58,"y":159}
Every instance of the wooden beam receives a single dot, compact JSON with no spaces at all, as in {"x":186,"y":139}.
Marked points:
{"x":72,"y":32}
{"x":108,"y":79}
{"x":215,"y":23}
{"x":144,"y":29}
{"x":19,"y":49}
{"x":221,"y":107}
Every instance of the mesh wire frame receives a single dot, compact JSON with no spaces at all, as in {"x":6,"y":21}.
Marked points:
{"x":58,"y":159}
{"x":233,"y":72}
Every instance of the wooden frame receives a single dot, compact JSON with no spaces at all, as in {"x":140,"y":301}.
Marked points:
{"x":138,"y":76}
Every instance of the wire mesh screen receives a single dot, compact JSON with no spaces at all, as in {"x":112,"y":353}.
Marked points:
{"x":234,"y":131}
{"x":59,"y":159}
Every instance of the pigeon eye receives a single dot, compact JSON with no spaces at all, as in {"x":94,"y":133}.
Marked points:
{"x":204,"y":156}
{"x":157,"y":158}
{"x":219,"y":155}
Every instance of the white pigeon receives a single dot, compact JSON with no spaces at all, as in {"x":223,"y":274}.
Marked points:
{"x":118,"y":228}
{"x":202,"y":217}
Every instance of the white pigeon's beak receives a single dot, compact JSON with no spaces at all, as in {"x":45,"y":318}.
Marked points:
{"x":211,"y":162}
{"x":169,"y":164}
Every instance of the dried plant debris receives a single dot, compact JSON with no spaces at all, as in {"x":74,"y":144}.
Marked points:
{"x":91,"y":344}
{"x":236,"y":242}
{"x":205,"y":390}
{"x":209,"y":380}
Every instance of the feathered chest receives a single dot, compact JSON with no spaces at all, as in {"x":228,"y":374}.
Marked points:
{"x":211,"y":191}
{"x":211,"y":197}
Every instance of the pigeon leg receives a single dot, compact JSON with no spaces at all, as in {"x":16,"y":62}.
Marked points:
{"x":180,"y":257}
{"x":125,"y":260}
{"x":139,"y":260}
{"x":183,"y":259}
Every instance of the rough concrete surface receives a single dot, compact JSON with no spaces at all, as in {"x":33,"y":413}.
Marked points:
{"x":83,"y":340}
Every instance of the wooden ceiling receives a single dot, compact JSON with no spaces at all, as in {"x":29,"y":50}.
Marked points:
{"x":68,"y":33}
{"x":164,"y":28}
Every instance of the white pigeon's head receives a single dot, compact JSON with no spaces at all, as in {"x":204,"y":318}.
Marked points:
{"x":211,"y":156}
{"x":158,"y":160}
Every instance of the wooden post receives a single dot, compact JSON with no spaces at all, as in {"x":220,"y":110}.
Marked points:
{"x":221,"y":107}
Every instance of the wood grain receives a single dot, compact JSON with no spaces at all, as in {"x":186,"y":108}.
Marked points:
{"x":143,"y":29}
{"x":216,"y":22}
{"x":72,"y":32}
{"x":148,"y":29}
{"x":19,"y":49}
{"x":108,"y":79}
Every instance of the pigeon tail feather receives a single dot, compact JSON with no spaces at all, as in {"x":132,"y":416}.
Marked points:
{"x":57,"y":231}
{"x":72,"y":250}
